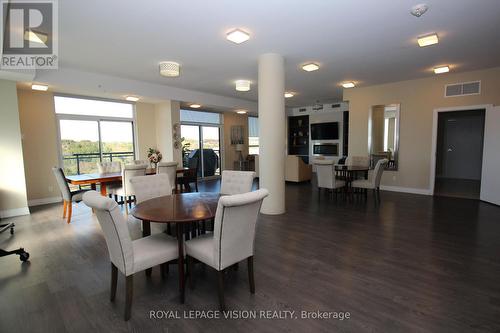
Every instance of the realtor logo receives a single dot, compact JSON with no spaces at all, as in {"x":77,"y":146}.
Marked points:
{"x":29,"y":34}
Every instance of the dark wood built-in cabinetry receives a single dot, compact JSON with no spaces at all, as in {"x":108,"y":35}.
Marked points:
{"x":345,"y":133}
{"x":298,"y":136}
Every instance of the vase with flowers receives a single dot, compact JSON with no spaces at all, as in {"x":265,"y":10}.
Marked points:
{"x":154,"y":157}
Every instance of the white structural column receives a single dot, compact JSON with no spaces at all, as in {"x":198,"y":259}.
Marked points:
{"x":272,"y":131}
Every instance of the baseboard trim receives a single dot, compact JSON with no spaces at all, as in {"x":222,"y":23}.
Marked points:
{"x":421,"y":191}
{"x":44,"y":201}
{"x":14,"y":212}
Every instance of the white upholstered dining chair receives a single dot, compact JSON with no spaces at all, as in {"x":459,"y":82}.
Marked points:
{"x":126,"y":191}
{"x":236,"y":182}
{"x":373,"y":181}
{"x":109,"y":167}
{"x":232,"y":240}
{"x":170,"y":168}
{"x":128,"y":256}
{"x":68,"y":196}
{"x":149,"y":187}
{"x":363,"y":161}
{"x":325,"y":174}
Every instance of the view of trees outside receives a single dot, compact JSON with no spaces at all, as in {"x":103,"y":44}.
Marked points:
{"x":80,"y":144}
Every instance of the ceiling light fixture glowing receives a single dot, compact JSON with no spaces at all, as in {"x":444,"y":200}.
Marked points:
{"x":310,"y":67}
{"x":132,"y":98}
{"x":242,"y":85}
{"x":241,"y":111}
{"x":428,"y":40}
{"x":195,"y":106}
{"x":40,"y":87}
{"x":289,"y":94}
{"x":441,"y":70}
{"x":348,"y":85}
{"x":169,"y":69}
{"x":237,"y":36}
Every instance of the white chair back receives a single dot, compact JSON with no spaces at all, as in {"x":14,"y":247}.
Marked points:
{"x":62,"y":183}
{"x":378,"y":171}
{"x":109,"y":167}
{"x":234,"y":227}
{"x":149,"y":187}
{"x":140,"y":162}
{"x":115,"y":230}
{"x":236,"y":182}
{"x":363,"y":161}
{"x":325,"y":173}
{"x":170,"y":168}
{"x":130,"y":171}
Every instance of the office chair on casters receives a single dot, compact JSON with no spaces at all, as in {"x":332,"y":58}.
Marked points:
{"x":23,"y":255}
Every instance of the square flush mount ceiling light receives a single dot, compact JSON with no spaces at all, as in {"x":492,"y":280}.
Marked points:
{"x":348,"y":85}
{"x":241,"y":111}
{"x":427,"y":40}
{"x":441,"y":70}
{"x":310,"y":67}
{"x":195,"y":106}
{"x":132,"y":98}
{"x":289,"y":94}
{"x":169,"y":69}
{"x":237,"y":36}
{"x":242,"y":85}
{"x":40,"y":87}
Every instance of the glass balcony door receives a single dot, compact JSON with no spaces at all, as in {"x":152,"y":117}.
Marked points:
{"x":201,"y":147}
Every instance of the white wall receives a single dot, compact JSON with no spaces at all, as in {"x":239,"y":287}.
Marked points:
{"x":13,"y":199}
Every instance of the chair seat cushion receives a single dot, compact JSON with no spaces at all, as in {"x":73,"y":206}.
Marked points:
{"x":362,"y":183}
{"x":154,"y":250}
{"x":202,"y":248}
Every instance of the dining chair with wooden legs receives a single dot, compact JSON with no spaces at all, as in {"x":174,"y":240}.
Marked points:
{"x":126,"y":255}
{"x":232,"y":240}
{"x":68,"y":196}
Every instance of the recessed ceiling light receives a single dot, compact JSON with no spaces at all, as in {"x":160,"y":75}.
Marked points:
{"x":195,"y":106}
{"x":241,"y":111}
{"x":441,"y":70}
{"x":428,"y":40}
{"x":242,"y":85}
{"x":132,"y":98}
{"x":348,"y":85}
{"x":237,"y":36}
{"x":40,"y":87}
{"x":310,"y":67}
{"x":169,"y":68}
{"x":289,"y":94}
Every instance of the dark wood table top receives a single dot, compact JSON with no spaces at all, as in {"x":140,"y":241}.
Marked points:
{"x":351,"y":168}
{"x":178,"y":208}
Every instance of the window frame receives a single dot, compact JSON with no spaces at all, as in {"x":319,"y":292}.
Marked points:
{"x":248,"y":138}
{"x":98,"y":119}
{"x":221,"y":137}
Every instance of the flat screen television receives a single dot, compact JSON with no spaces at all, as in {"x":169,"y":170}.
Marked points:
{"x":325,"y":131}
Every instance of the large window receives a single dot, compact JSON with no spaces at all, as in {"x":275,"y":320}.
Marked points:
{"x":201,"y":141}
{"x":253,"y":136}
{"x":93,"y":130}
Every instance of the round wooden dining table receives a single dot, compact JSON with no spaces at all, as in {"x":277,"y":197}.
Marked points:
{"x":181,"y":209}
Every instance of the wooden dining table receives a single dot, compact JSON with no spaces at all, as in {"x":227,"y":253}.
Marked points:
{"x":180,"y":209}
{"x":104,"y":179}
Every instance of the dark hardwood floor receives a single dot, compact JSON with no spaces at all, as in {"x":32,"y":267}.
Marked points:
{"x":412,"y":264}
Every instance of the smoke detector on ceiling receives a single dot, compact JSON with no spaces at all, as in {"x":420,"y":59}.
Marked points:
{"x":419,"y":10}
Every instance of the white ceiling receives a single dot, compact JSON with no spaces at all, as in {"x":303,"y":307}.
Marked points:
{"x":365,"y":41}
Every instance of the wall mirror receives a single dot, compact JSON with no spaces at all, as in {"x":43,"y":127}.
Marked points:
{"x":383,"y":134}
